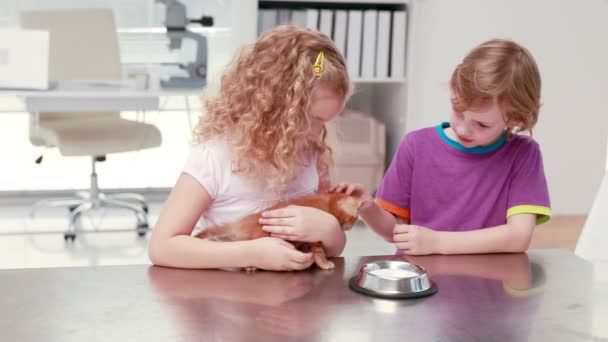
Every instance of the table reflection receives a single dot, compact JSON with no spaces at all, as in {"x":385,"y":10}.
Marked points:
{"x":537,"y":296}
{"x":236,"y":305}
{"x":490,"y":295}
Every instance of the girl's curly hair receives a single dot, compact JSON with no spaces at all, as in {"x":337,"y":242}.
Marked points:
{"x":262,"y":104}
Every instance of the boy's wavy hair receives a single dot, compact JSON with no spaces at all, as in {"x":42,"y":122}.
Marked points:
{"x":501,"y":71}
{"x":262,"y":103}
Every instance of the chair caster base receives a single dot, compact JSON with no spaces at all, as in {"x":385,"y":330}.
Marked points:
{"x":69,"y":237}
{"x":142,"y":229}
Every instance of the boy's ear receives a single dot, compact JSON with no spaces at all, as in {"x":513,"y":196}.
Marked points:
{"x":512,"y":123}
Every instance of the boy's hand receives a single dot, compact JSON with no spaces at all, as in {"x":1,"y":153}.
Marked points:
{"x":299,"y":223}
{"x":415,"y":240}
{"x":353,"y":189}
{"x":274,"y":254}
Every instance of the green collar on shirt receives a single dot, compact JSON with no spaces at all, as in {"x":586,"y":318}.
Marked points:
{"x":474,"y":150}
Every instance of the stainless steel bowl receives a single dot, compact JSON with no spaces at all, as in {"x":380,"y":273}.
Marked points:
{"x":393,"y":279}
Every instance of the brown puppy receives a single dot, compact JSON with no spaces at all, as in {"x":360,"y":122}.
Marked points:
{"x":342,"y":206}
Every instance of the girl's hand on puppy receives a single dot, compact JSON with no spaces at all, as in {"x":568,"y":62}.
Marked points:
{"x":299,"y":223}
{"x":274,"y":254}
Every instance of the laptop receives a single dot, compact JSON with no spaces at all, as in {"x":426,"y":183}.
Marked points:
{"x":24,"y":59}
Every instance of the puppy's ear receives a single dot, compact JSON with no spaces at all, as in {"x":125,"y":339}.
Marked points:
{"x":349,"y":204}
{"x":357,"y":195}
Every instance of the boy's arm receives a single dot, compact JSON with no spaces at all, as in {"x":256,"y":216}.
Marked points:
{"x":513,"y":237}
{"x":378,"y":219}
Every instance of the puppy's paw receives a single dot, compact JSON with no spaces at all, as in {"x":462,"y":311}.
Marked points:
{"x":326,"y":265}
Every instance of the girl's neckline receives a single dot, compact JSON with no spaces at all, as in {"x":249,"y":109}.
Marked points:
{"x":473,"y":150}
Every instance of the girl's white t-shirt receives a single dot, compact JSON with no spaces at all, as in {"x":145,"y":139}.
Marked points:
{"x":235,"y":195}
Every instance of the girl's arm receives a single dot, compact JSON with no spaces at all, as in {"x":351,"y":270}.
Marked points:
{"x":333,"y":237}
{"x":172,"y":245}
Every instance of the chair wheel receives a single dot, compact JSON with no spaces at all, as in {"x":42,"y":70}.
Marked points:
{"x":69,"y":236}
{"x":142,"y":229}
{"x":146,"y":209}
{"x":72,"y":207}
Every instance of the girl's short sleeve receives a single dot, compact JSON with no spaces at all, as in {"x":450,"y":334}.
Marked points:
{"x":205,"y":164}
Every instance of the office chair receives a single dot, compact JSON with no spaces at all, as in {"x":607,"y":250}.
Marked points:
{"x":591,"y":244}
{"x":84,"y":46}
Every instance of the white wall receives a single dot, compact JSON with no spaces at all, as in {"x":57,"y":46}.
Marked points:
{"x":569,"y":40}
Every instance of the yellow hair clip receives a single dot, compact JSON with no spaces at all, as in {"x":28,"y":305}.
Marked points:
{"x":317,"y":68}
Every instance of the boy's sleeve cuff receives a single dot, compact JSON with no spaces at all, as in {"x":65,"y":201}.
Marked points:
{"x":392,"y":208}
{"x":543,"y":214}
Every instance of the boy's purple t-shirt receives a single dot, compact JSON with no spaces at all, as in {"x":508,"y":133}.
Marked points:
{"x":437,"y":183}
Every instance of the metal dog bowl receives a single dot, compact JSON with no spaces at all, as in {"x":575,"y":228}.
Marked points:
{"x":392,"y":279}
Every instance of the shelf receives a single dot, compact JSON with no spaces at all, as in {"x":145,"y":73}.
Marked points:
{"x":333,"y":3}
{"x":377,"y":80}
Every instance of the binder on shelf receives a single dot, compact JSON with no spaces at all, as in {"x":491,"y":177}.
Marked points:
{"x":353,"y":43}
{"x":267,"y":19}
{"x":383,"y":44}
{"x":368,"y":58}
{"x":312,"y":18}
{"x":284,"y":16}
{"x":398,"y":43}
{"x":304,"y":17}
{"x":340,"y":26}
{"x":359,"y":144}
{"x":326,"y":21}
{"x":299,"y":17}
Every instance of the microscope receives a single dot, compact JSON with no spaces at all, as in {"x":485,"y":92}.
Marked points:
{"x":175,"y":23}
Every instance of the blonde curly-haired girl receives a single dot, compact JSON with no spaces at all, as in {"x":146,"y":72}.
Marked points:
{"x":261,"y":140}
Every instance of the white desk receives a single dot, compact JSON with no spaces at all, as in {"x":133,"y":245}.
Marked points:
{"x":92,"y":100}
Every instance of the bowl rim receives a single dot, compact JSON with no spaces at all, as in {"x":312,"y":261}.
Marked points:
{"x":419,"y":270}
{"x":354,"y":285}
{"x":366,"y":269}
